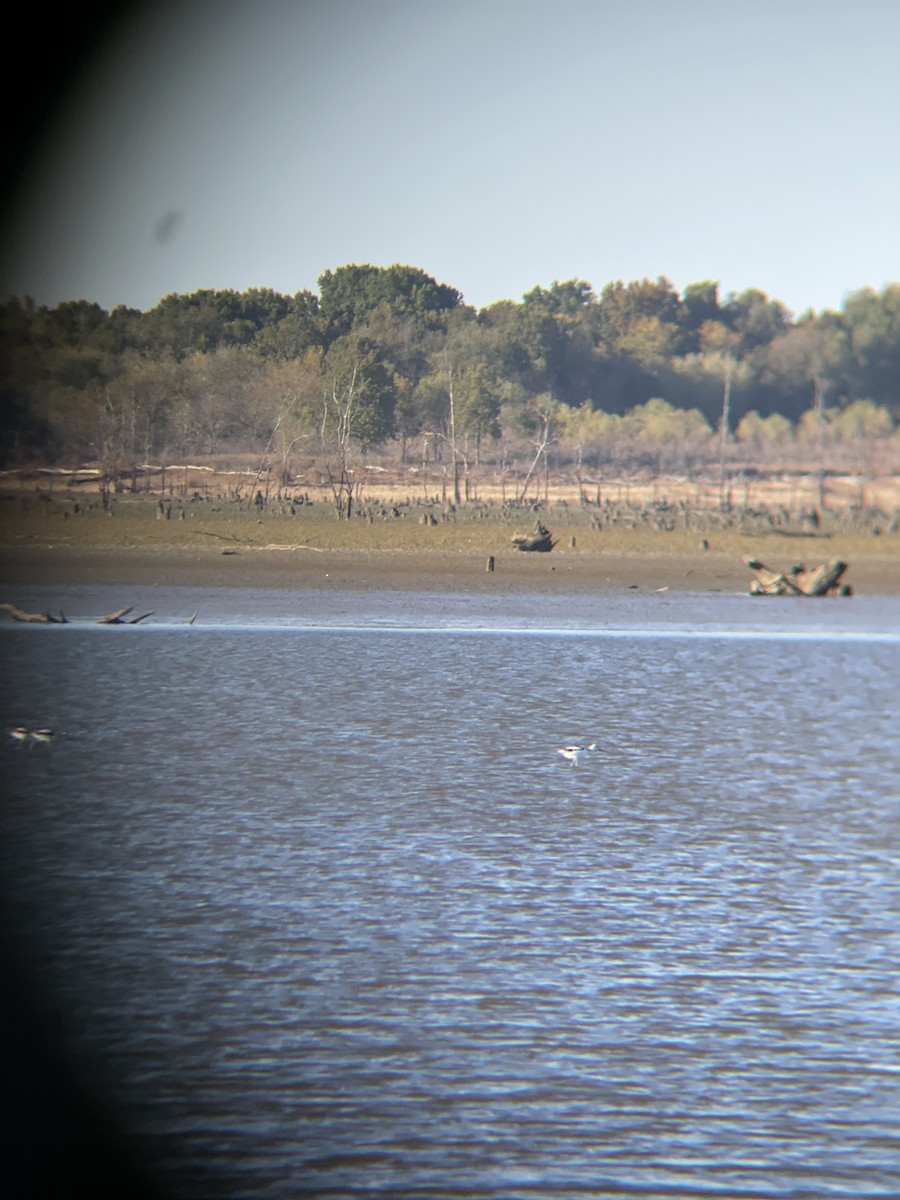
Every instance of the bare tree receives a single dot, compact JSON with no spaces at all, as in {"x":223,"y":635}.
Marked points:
{"x":357,"y":410}
{"x":720,"y":348}
{"x":818,"y":383}
{"x":453,"y":450}
{"x":540,"y":423}
{"x":341,"y":401}
{"x":341,"y":398}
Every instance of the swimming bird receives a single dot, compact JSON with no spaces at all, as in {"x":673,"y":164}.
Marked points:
{"x":574,"y":752}
{"x":42,"y":737}
{"x":19,"y":734}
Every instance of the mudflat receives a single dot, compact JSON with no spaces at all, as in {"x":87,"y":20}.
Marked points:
{"x":141,"y":541}
{"x":411,"y":570}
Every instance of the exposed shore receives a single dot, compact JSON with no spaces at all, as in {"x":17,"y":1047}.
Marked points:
{"x":69,"y":539}
{"x":431,"y":571}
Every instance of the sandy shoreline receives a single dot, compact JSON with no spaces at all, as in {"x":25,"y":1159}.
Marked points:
{"x":404,"y":570}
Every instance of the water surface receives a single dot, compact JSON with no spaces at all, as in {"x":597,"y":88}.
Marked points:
{"x":322,"y":912}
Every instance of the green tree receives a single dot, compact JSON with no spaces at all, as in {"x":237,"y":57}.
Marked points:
{"x":567,"y":299}
{"x":290,"y":335}
{"x":531,"y":343}
{"x":478,"y":405}
{"x":288,"y":399}
{"x":862,"y":425}
{"x":210,"y":409}
{"x":206,"y":320}
{"x":756,"y":319}
{"x":721,"y":350}
{"x":629,"y":314}
{"x":699,"y":306}
{"x":349,"y":295}
{"x":592,"y":435}
{"x":872,"y":322}
{"x":667,"y":436}
{"x":764,"y":435}
{"x":863,"y":419}
{"x":811,"y":352}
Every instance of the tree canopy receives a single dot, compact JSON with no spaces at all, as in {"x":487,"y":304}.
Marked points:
{"x":207,"y":370}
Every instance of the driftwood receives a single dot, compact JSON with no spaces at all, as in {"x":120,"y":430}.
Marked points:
{"x":45,"y":618}
{"x":541,"y":540}
{"x":823,"y":580}
{"x":115,"y":618}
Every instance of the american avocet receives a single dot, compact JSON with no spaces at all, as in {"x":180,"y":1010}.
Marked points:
{"x":574,"y":752}
{"x":19,"y":734}
{"x":42,"y":737}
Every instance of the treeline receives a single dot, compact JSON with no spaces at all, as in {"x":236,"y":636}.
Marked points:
{"x":389,"y":357}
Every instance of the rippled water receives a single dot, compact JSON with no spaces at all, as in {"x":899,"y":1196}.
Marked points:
{"x":322,"y":912}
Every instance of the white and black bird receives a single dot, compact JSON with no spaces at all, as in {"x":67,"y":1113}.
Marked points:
{"x":31,"y":737}
{"x":574,"y":751}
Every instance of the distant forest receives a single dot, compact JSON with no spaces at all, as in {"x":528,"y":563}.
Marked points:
{"x":388,"y":361}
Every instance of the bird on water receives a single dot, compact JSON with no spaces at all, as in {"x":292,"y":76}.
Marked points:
{"x":573,"y":752}
{"x":31,"y":737}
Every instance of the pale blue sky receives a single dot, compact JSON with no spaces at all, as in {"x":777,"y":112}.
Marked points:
{"x":495,"y":144}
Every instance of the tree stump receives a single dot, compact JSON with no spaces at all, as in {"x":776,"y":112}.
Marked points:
{"x":541,"y":541}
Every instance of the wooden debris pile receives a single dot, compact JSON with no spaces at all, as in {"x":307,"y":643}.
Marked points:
{"x":824,"y":580}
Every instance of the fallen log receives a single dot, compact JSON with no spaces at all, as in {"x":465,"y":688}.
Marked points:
{"x":32,"y":618}
{"x":47,"y":618}
{"x":823,"y":580}
{"x":115,"y":618}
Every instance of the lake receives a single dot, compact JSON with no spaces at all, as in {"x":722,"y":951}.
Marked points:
{"x":314,"y":907}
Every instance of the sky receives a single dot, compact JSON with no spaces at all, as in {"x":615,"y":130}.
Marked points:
{"x":495,"y":144}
